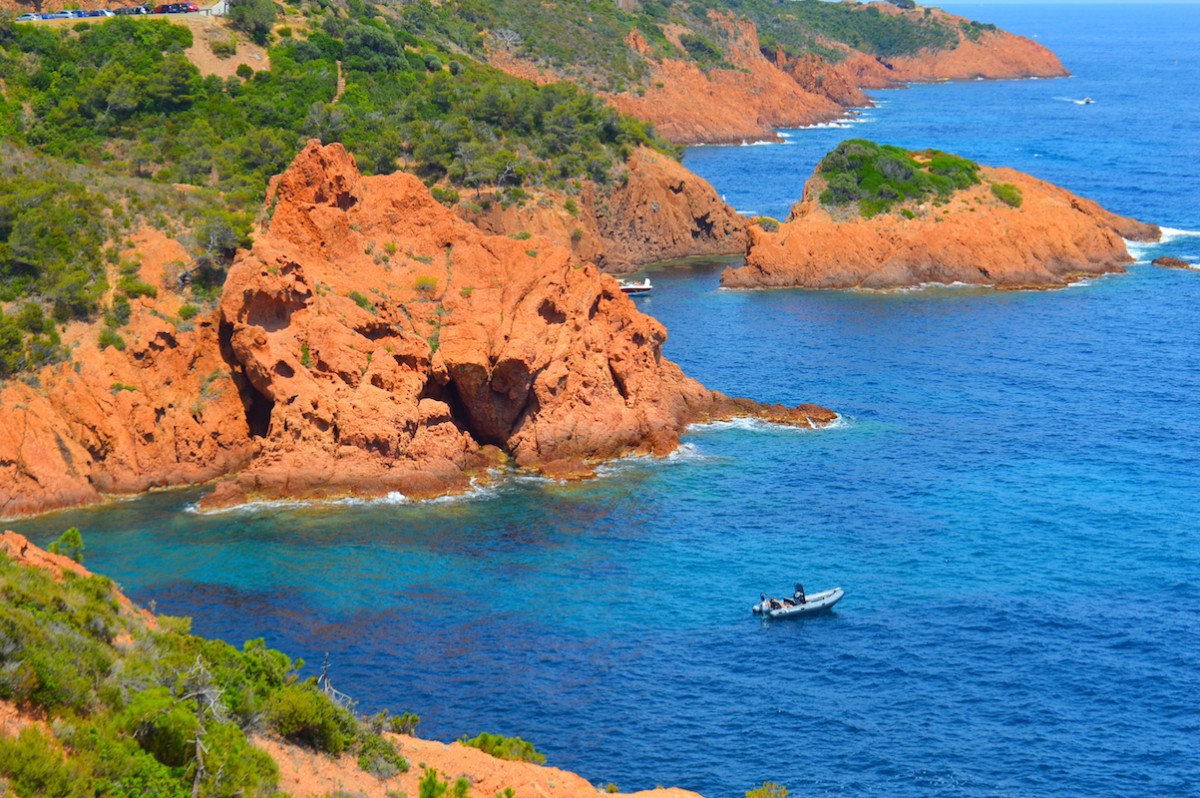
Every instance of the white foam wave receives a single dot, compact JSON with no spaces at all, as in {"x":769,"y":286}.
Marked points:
{"x":840,"y":125}
{"x":748,"y":214}
{"x":1170,"y":234}
{"x":957,"y":285}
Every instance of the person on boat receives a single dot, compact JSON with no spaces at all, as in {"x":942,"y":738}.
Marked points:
{"x":799,"y":594}
{"x":775,"y":605}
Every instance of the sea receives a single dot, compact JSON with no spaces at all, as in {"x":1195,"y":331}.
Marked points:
{"x":1010,"y":499}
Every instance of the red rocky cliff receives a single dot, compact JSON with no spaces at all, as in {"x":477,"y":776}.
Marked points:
{"x":1053,"y":238}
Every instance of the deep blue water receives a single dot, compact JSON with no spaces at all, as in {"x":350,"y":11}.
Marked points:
{"x":1012,"y":504}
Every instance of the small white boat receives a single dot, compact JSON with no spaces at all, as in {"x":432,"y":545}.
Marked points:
{"x":636,"y":289}
{"x":799,"y":605}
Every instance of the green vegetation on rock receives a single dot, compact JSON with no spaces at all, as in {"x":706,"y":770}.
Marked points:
{"x":589,"y":39}
{"x":1008,"y":194}
{"x":501,"y":747}
{"x":877,"y":177}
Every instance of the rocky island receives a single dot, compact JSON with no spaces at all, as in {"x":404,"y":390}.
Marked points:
{"x":880,"y":217}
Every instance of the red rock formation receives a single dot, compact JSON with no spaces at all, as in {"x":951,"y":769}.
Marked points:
{"x":689,"y":106}
{"x":1166,"y":262}
{"x":994,"y":55}
{"x":660,"y":211}
{"x":383,"y":344}
{"x":1053,"y":238}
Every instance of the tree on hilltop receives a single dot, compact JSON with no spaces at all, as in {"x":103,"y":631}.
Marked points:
{"x":256,"y":17}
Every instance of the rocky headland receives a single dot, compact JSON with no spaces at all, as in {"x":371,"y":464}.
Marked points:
{"x":369,"y":342}
{"x":761,"y":89}
{"x":857,"y":228}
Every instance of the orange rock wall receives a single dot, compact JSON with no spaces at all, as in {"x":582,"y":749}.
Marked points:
{"x":1053,"y":238}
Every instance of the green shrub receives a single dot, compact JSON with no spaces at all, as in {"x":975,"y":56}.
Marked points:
{"x":303,"y":714}
{"x":380,"y":758}
{"x":501,"y":747}
{"x":69,"y":543}
{"x":109,"y":337}
{"x":35,"y":766}
{"x":425,"y":284}
{"x":256,"y":17}
{"x":1008,"y":194}
{"x":766,"y":223}
{"x":361,"y":300}
{"x":188,"y":312}
{"x":447,"y":196}
{"x":224,"y":48}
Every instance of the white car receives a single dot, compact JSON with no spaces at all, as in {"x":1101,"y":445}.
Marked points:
{"x":29,"y":18}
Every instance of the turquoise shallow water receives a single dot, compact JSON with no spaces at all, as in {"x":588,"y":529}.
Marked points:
{"x":1012,"y":503}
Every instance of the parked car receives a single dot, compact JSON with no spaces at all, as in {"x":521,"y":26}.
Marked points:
{"x":29,"y":18}
{"x":59,"y":15}
{"x":132,"y":10}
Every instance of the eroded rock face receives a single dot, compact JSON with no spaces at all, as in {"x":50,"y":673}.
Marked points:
{"x":382,"y":343}
{"x":1052,"y":239}
{"x":661,"y":211}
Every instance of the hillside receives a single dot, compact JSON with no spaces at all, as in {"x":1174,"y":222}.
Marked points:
{"x":712,"y":71}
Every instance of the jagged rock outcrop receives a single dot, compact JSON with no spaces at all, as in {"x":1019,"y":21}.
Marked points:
{"x":383,"y":344}
{"x":162,"y":412}
{"x":1053,"y":238}
{"x":658,"y":212}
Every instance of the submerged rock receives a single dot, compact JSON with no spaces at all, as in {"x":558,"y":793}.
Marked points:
{"x":1167,"y":262}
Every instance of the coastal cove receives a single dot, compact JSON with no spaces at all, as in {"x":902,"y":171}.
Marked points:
{"x":1011,"y":502}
